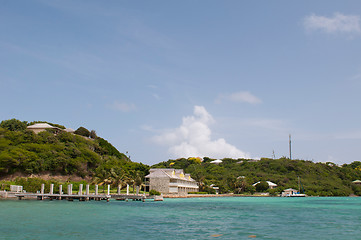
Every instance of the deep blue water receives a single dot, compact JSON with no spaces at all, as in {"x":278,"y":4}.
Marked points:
{"x":193,"y":218}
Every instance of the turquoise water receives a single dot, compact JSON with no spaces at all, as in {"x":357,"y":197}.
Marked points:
{"x":194,"y":218}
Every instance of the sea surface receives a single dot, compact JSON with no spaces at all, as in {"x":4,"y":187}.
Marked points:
{"x":192,"y":218}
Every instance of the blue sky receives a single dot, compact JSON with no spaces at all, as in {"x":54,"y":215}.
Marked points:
{"x":169,"y":79}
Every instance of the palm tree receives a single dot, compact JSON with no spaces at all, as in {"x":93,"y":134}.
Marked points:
{"x":102,"y":178}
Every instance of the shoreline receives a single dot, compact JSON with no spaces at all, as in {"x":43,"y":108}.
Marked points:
{"x":214,"y":195}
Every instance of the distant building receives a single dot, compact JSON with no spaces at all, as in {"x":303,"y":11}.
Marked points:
{"x":289,"y":192}
{"x":69,"y":130}
{"x":218,"y":161}
{"x":170,"y":181}
{"x":16,"y":188}
{"x":358,"y":182}
{"x":40,"y":127}
{"x":271,"y":185}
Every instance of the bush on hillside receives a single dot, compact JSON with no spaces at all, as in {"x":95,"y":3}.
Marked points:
{"x":13,"y":125}
{"x":82,"y":131}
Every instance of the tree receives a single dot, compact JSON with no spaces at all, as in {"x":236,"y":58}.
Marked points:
{"x":262,"y":186}
{"x":13,"y":125}
{"x":82,"y":131}
{"x":93,"y":134}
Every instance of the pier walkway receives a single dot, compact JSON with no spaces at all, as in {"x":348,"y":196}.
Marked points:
{"x":84,"y":196}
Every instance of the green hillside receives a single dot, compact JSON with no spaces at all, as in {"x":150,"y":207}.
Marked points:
{"x":238,"y":175}
{"x":23,"y":151}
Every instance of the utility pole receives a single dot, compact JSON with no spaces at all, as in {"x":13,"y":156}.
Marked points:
{"x":290,"y":147}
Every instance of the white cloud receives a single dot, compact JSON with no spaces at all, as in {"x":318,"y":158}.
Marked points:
{"x":193,"y":138}
{"x":339,"y":23}
{"x":241,"y":96}
{"x":122,"y":106}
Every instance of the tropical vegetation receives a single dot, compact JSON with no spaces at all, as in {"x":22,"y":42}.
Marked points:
{"x":23,"y":151}
{"x":239,"y":175}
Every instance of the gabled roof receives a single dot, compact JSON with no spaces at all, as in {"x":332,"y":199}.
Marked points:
{"x":40,"y":126}
{"x":290,"y":189}
{"x":169,"y":173}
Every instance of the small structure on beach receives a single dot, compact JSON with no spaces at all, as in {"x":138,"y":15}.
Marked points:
{"x":170,"y":181}
{"x":16,"y":188}
{"x":289,"y":192}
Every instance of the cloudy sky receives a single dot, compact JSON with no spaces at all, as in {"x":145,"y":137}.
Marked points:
{"x":169,"y":79}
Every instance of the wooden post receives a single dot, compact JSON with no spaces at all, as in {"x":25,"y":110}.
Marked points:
{"x":108,"y":189}
{"x":80,"y":189}
{"x":127,"y":189}
{"x":71,"y":189}
{"x":119,"y":187}
{"x":42,"y":191}
{"x":87,"y":189}
{"x":60,"y":191}
{"x":96,"y":189}
{"x":51,"y":189}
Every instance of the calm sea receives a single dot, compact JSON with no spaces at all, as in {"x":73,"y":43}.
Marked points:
{"x":194,"y":218}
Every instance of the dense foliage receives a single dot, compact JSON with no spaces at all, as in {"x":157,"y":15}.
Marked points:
{"x":323,"y":179}
{"x":23,"y":151}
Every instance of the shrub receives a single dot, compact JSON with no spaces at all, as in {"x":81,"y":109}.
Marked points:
{"x":154,"y":192}
{"x":82,"y":131}
{"x":13,"y":125}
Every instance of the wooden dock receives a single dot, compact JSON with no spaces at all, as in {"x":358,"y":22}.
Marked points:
{"x":84,"y":196}
{"x":69,"y":197}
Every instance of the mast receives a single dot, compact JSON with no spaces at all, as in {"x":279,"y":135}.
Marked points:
{"x":290,"y":147}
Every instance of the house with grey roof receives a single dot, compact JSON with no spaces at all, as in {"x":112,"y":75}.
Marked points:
{"x":40,"y":127}
{"x":170,"y":181}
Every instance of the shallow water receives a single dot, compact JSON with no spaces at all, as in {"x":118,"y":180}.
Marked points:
{"x":192,"y":218}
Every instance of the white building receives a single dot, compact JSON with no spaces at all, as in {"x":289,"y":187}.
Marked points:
{"x":16,"y":188}
{"x":170,"y":181}
{"x":40,"y":127}
{"x":289,"y":192}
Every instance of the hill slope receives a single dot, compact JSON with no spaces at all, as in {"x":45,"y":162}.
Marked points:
{"x":22,"y":151}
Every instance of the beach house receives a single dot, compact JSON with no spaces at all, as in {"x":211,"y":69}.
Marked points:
{"x":170,"y":181}
{"x":289,"y":192}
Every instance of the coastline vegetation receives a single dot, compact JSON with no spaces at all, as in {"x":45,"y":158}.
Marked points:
{"x":238,"y":175}
{"x":94,"y":160}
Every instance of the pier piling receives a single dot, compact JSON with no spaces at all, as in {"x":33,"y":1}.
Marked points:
{"x":80,"y":189}
{"x":60,"y":191}
{"x":51,"y":189}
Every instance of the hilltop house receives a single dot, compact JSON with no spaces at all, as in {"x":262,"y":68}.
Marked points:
{"x":40,"y":127}
{"x":170,"y":181}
